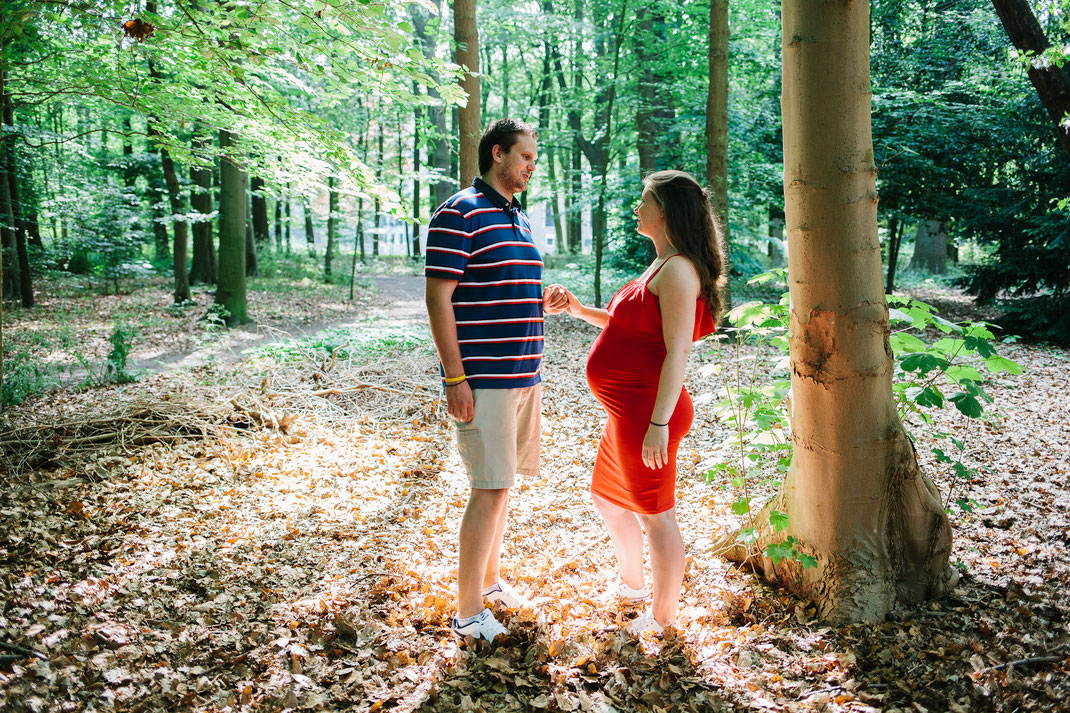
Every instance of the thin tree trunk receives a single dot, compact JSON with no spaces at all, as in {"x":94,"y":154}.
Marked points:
{"x":278,"y":224}
{"x":439,"y":157}
{"x":25,"y":279}
{"x":252,"y":267}
{"x":233,"y":187}
{"x":600,"y":222}
{"x":261,"y":232}
{"x":466,"y":35}
{"x":855,"y":497}
{"x":178,"y":208}
{"x":378,"y":177}
{"x":717,"y":131}
{"x":417,"y":117}
{"x":895,"y":239}
{"x":332,"y":225}
{"x":310,"y":229}
{"x":203,"y":267}
{"x":289,"y":246}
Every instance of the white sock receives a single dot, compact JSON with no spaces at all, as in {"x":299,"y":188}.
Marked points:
{"x":468,"y":620}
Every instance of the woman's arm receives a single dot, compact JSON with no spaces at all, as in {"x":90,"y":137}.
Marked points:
{"x":677,"y":290}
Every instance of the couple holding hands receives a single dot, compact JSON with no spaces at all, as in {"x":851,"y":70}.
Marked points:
{"x":485,"y":303}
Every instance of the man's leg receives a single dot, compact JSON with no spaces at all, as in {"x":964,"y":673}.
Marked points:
{"x":493,"y":573}
{"x":627,"y":539}
{"x":666,"y":563}
{"x":479,"y":532}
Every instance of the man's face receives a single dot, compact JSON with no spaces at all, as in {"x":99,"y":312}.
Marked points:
{"x":514,"y":168}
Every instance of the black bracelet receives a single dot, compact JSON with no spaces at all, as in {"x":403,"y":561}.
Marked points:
{"x":659,"y":425}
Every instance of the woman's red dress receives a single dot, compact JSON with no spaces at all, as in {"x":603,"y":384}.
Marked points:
{"x":623,"y":370}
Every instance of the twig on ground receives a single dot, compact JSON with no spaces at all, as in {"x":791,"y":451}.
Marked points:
{"x":22,"y":650}
{"x":1050,"y":658}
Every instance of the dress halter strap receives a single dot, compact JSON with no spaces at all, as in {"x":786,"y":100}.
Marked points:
{"x":654,"y":274}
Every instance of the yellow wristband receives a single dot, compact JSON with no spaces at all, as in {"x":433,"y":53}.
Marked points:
{"x":454,"y":379}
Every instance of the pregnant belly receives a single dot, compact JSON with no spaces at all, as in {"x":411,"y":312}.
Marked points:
{"x":624,"y":370}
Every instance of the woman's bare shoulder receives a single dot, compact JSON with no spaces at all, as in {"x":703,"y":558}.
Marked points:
{"x":677,"y":274}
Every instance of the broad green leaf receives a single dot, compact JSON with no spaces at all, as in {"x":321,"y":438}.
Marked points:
{"x":741,"y":506}
{"x":778,"y":520}
{"x":996,"y":364}
{"x":968,"y":405}
{"x":902,"y":342}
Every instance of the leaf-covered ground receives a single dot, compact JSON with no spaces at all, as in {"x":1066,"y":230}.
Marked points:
{"x":298,"y":553}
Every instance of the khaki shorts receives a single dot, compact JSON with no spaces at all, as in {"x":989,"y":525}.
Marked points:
{"x":502,"y":439}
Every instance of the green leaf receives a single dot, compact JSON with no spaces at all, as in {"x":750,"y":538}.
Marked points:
{"x":981,"y":346}
{"x":961,"y":373}
{"x":807,"y":561}
{"x":778,"y":520}
{"x":741,"y":506}
{"x":922,"y":363}
{"x":929,"y":396}
{"x":962,"y":471}
{"x":967,"y":405}
{"x":996,"y":364}
{"x":941,"y":457}
{"x":902,"y":342}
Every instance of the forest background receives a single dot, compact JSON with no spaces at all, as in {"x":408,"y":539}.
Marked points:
{"x":171,"y":171}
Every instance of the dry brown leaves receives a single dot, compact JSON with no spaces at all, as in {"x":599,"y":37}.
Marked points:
{"x":311,"y":568}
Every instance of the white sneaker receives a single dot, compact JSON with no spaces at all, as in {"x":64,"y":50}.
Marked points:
{"x":484,"y":627}
{"x":503,"y":592}
{"x":629,"y":595}
{"x":644,"y":623}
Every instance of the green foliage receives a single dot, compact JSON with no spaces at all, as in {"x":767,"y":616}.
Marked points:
{"x":24,"y":375}
{"x":122,"y":340}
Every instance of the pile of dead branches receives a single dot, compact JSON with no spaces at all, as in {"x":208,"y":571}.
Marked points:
{"x":397,"y":387}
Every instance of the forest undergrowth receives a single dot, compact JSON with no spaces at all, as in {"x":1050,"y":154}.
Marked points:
{"x":280,"y":533}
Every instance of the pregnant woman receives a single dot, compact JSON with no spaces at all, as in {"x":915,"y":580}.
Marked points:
{"x":636,"y":370}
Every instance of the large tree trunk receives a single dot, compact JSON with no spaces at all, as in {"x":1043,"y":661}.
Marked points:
{"x":233,"y":187}
{"x":466,"y":36}
{"x":717,"y":130}
{"x":203,"y":264}
{"x":930,"y":247}
{"x":855,"y":497}
{"x":1051,"y":81}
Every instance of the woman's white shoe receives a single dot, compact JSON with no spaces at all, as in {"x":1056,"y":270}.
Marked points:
{"x":644,"y":623}
{"x":630,"y":595}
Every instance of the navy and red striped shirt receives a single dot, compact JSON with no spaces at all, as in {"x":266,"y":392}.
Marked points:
{"x":484,"y":242}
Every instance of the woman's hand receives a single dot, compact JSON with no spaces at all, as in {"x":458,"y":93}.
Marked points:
{"x":572,"y":304}
{"x":656,"y":446}
{"x":553,"y":299}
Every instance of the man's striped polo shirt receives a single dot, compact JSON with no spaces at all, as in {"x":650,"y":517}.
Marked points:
{"x":484,"y":242}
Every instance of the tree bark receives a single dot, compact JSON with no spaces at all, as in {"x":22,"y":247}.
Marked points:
{"x":10,"y":278}
{"x":1052,"y":81}
{"x":178,"y":208}
{"x":655,"y":113}
{"x":261,"y":232}
{"x":466,"y":35}
{"x":252,"y":267}
{"x":439,"y":157}
{"x":233,"y":185}
{"x":895,"y":239}
{"x":310,"y":228}
{"x":289,"y":247}
{"x":417,"y":118}
{"x":717,"y":131}
{"x":855,"y":497}
{"x":25,"y":279}
{"x":203,"y":267}
{"x":332,"y":225}
{"x":930,"y":247}
{"x":378,"y":177}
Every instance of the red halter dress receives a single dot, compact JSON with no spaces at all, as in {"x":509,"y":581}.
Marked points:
{"x":623,"y":370}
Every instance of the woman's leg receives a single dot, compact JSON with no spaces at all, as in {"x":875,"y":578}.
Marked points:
{"x":627,"y":539}
{"x":666,"y":563}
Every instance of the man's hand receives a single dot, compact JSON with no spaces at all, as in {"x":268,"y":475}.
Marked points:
{"x":459,"y":402}
{"x":554,"y":299}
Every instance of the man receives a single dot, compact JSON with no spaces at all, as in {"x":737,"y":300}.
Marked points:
{"x":485,"y":303}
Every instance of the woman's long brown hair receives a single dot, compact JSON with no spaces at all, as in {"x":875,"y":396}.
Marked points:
{"x":692,"y":229}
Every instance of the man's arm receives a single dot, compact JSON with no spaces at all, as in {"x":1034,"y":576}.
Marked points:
{"x":438,"y":295}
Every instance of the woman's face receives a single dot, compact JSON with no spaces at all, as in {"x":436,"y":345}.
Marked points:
{"x":651,"y":219}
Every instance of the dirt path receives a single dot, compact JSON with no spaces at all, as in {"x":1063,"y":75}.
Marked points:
{"x":397,"y":302}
